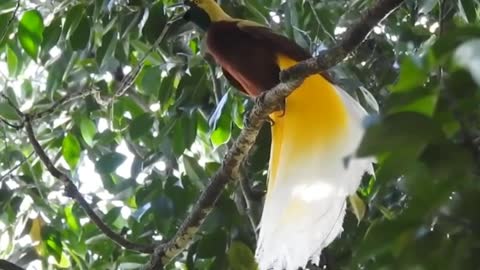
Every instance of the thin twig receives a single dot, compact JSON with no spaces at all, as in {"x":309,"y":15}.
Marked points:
{"x":10,"y":21}
{"x":264,"y":105}
{"x":14,"y":126}
{"x":128,"y":80}
{"x":63,"y":100}
{"x":11,"y":170}
{"x":251,"y":195}
{"x":72,"y":191}
{"x":215,"y":81}
{"x":250,"y":203}
{"x":353,"y":37}
{"x":319,"y":22}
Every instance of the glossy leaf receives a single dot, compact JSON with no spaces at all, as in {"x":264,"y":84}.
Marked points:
{"x":12,"y":61}
{"x":108,"y":163}
{"x":7,"y":112}
{"x":71,"y":150}
{"x":240,"y":257}
{"x":71,"y":219}
{"x":80,"y":37}
{"x":88,"y":130}
{"x":140,"y":126}
{"x":411,"y":75}
{"x":30,"y":32}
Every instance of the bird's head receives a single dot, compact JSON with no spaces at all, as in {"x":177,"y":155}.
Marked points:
{"x":204,"y":12}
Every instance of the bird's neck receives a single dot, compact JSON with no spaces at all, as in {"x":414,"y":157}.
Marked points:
{"x":216,"y":13}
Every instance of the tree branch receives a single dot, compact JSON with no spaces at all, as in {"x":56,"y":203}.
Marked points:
{"x":130,"y":78}
{"x":265,"y":104}
{"x":5,"y":30}
{"x":11,"y":170}
{"x":14,"y":126}
{"x":72,"y":191}
{"x":6,"y":265}
{"x":63,"y":100}
{"x":353,"y":37}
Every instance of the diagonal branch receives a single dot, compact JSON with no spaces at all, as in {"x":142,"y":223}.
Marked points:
{"x":6,"y":265}
{"x":265,"y":104}
{"x":352,"y":38}
{"x":10,"y":21}
{"x":72,"y":191}
{"x":11,"y":170}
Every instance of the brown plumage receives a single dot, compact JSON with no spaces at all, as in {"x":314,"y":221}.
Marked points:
{"x":235,"y":47}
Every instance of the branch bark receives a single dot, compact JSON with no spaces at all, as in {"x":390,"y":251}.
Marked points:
{"x":72,"y":191}
{"x":352,"y":38}
{"x":6,"y":265}
{"x":264,"y":105}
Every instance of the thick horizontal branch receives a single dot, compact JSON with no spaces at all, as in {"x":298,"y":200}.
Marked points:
{"x":72,"y":191}
{"x":6,"y":265}
{"x":265,"y":104}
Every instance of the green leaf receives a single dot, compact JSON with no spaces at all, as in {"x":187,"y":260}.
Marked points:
{"x":166,"y":90}
{"x":215,"y":117}
{"x":30,"y":32}
{"x":108,"y":163}
{"x":72,"y":19}
{"x":399,"y":132}
{"x":72,"y":219}
{"x":446,"y":160}
{"x":80,"y":37}
{"x":421,"y":101}
{"x":358,"y":206}
{"x":412,"y":74}
{"x":12,"y":62}
{"x":184,"y":133}
{"x":220,"y":122}
{"x":468,"y":10}
{"x":7,"y":112}
{"x":140,"y":126}
{"x":194,"y":171}
{"x":4,"y":21}
{"x":212,"y":245}
{"x":53,"y":241}
{"x":240,"y":257}
{"x":109,"y":43}
{"x":163,"y":208}
{"x":222,"y":133}
{"x":88,"y":130}
{"x":150,"y":81}
{"x":56,"y":72}
{"x":71,"y":150}
{"x":155,"y":22}
{"x":51,"y":35}
{"x":27,"y":89}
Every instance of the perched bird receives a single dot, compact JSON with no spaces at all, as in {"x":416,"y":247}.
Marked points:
{"x":309,"y":178}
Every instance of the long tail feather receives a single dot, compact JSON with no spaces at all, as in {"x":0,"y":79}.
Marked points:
{"x":309,"y":179}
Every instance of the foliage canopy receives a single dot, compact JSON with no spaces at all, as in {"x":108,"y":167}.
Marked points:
{"x":142,"y":156}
